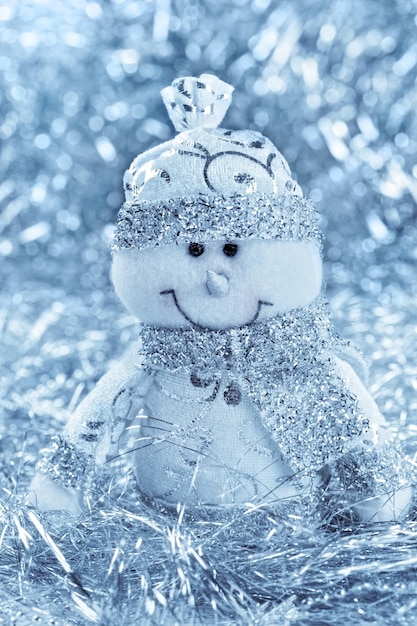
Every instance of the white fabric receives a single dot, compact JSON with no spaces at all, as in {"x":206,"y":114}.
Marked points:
{"x":197,"y":102}
{"x":287,"y":274}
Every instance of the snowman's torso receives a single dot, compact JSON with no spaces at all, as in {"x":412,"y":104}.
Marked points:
{"x":202,"y":442}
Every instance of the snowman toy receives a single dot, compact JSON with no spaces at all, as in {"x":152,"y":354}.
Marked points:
{"x":237,"y":391}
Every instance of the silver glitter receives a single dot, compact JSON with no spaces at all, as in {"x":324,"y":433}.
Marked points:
{"x":65,"y":464}
{"x":286,"y":367}
{"x":208,"y":218}
{"x":370,"y":471}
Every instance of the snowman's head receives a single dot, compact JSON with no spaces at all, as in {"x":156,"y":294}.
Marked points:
{"x":217,"y":284}
{"x":214,"y":232}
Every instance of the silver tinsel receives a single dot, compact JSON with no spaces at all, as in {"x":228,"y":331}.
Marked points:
{"x":333,"y":85}
{"x":285,"y":366}
{"x":65,"y":465}
{"x":254,"y":216}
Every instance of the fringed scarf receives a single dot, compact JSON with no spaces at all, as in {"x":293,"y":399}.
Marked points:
{"x":286,"y":366}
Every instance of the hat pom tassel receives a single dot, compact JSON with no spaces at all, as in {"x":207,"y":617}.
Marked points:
{"x":197,"y":102}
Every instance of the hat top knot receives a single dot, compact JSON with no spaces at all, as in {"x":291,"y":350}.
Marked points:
{"x":197,"y":102}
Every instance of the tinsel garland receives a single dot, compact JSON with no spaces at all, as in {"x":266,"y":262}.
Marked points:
{"x":334,"y":88}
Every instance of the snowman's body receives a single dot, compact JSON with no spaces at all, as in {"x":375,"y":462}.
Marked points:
{"x":202,"y":442}
{"x":198,"y":439}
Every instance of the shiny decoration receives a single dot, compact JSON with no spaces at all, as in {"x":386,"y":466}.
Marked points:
{"x":286,"y":366}
{"x":333,"y":86}
{"x":207,"y":218}
{"x":64,"y":464}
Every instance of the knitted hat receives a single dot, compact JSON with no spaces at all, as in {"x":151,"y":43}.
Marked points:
{"x":210,"y":183}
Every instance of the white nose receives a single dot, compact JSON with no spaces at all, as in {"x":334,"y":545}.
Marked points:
{"x":217,"y":284}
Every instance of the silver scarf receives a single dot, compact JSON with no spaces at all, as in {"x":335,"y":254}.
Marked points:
{"x":287,"y":368}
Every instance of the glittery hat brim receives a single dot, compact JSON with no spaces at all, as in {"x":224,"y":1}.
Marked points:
{"x":208,"y":218}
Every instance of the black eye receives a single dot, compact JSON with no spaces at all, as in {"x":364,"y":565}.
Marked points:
{"x":196,"y":249}
{"x":230,"y":249}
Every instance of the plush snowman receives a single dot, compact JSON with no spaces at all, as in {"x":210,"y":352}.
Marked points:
{"x":237,"y":391}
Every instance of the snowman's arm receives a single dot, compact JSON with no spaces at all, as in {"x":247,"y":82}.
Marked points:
{"x":96,"y":426}
{"x":91,"y":434}
{"x":377,"y":432}
{"x":383,"y":463}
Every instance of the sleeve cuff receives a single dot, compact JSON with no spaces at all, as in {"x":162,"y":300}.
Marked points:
{"x":66,"y":465}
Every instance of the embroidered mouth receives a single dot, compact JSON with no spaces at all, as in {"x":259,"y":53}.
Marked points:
{"x":261,"y":303}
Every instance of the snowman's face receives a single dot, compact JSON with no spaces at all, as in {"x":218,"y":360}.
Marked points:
{"x":217,"y":285}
